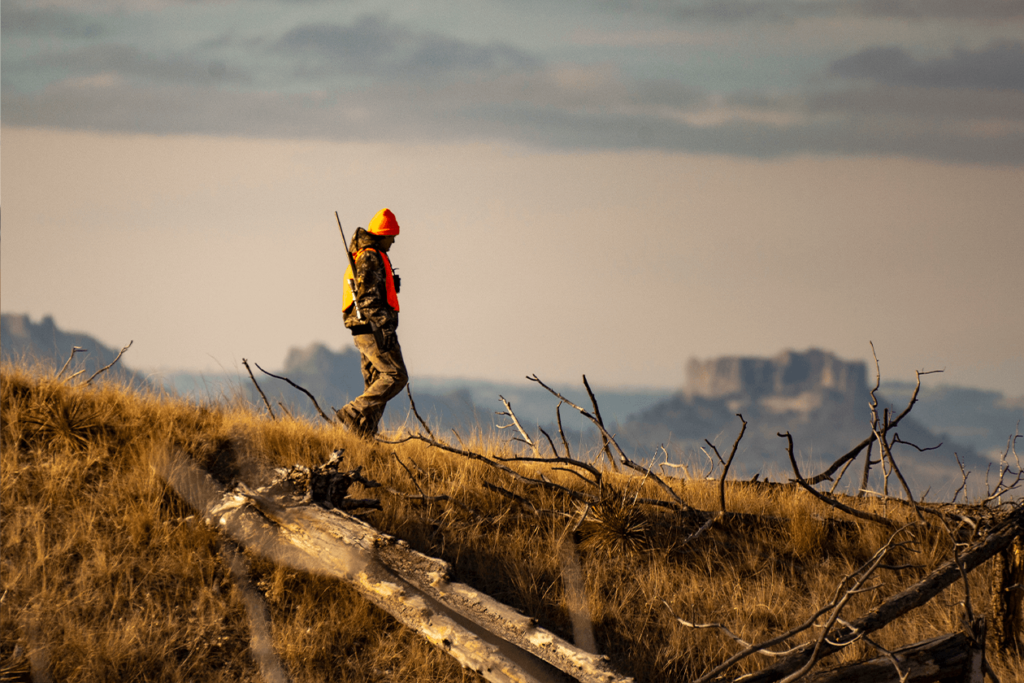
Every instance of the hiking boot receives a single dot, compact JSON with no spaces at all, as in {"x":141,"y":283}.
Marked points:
{"x":349,"y":417}
{"x":356,"y":422}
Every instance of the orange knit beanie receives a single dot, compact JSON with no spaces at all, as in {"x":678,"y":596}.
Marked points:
{"x":384,"y":223}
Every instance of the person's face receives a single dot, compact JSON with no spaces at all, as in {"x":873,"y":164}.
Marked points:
{"x":386,"y":242}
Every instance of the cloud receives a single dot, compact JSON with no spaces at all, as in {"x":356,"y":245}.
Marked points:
{"x":793,"y":10}
{"x":999,"y":66}
{"x":376,"y":79}
{"x":19,"y":21}
{"x":373,"y":45}
{"x":127,"y":63}
{"x":855,"y":122}
{"x":364,"y":46}
{"x":965,"y":10}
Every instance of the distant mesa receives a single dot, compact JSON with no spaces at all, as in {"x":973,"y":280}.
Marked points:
{"x":817,"y":397}
{"x":46,"y":344}
{"x":787,"y":374}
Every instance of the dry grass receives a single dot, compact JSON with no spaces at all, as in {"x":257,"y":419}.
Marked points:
{"x":108,"y":574}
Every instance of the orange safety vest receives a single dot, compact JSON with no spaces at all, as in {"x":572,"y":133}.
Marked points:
{"x":347,"y":298}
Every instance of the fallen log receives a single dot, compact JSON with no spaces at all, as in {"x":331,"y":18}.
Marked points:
{"x":286,"y":522}
{"x":997,"y":540}
{"x":946,"y":659}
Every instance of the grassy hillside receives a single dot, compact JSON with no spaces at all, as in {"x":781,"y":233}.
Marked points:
{"x":108,"y":574}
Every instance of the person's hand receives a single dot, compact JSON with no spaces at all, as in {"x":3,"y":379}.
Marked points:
{"x":388,"y":338}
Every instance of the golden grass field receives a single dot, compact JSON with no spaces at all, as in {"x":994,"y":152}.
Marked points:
{"x":109,"y":575}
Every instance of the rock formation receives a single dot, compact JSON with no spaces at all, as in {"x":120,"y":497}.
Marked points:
{"x":787,"y":374}
{"x":820,"y":399}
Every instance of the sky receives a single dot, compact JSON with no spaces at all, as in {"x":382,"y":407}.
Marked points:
{"x":608,"y":188}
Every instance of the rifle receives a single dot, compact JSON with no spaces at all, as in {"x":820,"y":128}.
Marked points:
{"x":355,"y":294}
{"x":352,"y":264}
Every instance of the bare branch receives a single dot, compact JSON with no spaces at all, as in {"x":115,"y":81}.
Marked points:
{"x":567,"y":461}
{"x":717,"y":454}
{"x":835,"y":484}
{"x":270,"y":410}
{"x":561,"y":433}
{"x":515,"y":421}
{"x":74,"y":350}
{"x":622,"y":454}
{"x":575,"y":495}
{"x":409,"y":472}
{"x":701,"y":531}
{"x":658,"y":480}
{"x":860,"y":577}
{"x":964,"y":473}
{"x":550,"y":442}
{"x":315,"y":404}
{"x":104,"y":369}
{"x":828,"y":500}
{"x":896,"y":439}
{"x":887,"y":453}
{"x":566,"y":469}
{"x":71,"y":377}
{"x":849,"y":456}
{"x":513,"y":496}
{"x":711,"y":463}
{"x":865,"y":476}
{"x":725,"y":466}
{"x":412,"y":404}
{"x":600,"y":423}
{"x":827,"y":474}
{"x":998,"y":539}
{"x":1002,"y":488}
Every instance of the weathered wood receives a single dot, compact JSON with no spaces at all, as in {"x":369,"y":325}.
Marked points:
{"x":481,"y":633}
{"x":939,"y":660}
{"x":975,"y":669}
{"x":1008,"y":598}
{"x":998,"y":539}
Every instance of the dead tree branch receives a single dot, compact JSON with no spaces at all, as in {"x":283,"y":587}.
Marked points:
{"x":855,"y":451}
{"x":551,"y":443}
{"x":622,"y":454}
{"x":529,"y":481}
{"x":842,"y":595}
{"x":509,"y":413}
{"x":315,"y":404}
{"x":409,"y":472}
{"x":944,"y":658}
{"x":104,"y":369}
{"x":998,"y":539}
{"x":829,"y":500}
{"x":412,"y":404}
{"x":886,"y":450}
{"x":727,"y":463}
{"x":561,"y":432}
{"x":74,"y":350}
{"x":558,"y":459}
{"x":965,"y":474}
{"x":270,"y":410}
{"x":1002,"y":488}
{"x":600,"y":423}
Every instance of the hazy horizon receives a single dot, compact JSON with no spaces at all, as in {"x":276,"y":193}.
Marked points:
{"x":581,"y":189}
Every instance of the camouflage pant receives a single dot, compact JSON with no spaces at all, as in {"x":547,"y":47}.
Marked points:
{"x":384,"y":377}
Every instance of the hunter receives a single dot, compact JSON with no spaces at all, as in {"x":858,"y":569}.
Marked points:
{"x":371,"y":314}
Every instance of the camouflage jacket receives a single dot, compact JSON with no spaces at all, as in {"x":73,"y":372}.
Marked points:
{"x":371,"y":290}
